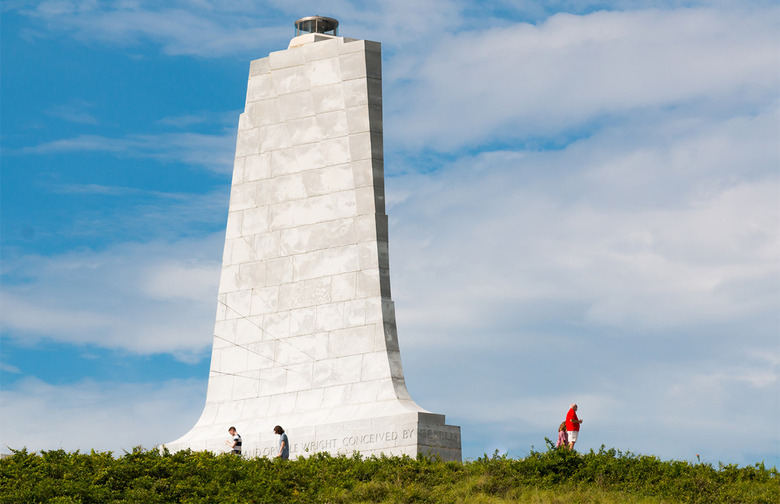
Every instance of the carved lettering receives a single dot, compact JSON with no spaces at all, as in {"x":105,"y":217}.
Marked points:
{"x":436,"y":435}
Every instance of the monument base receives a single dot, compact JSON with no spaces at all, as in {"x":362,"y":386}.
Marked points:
{"x":412,"y":434}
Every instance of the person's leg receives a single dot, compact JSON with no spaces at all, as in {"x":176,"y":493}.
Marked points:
{"x":572,"y":438}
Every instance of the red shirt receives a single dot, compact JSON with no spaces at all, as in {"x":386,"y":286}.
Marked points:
{"x":570,"y":425}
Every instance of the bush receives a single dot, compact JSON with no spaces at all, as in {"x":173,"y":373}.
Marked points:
{"x":556,"y":475}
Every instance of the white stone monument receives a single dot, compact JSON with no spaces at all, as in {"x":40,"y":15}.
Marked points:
{"x":305,"y":335}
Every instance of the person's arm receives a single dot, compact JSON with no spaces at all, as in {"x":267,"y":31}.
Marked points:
{"x":281,"y":447}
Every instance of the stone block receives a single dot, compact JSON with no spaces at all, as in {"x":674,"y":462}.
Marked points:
{"x":246,"y":387}
{"x":351,"y":45}
{"x":279,"y":271}
{"x":321,"y":50}
{"x":367,"y":256}
{"x":353,"y":66}
{"x":259,"y":67}
{"x":290,"y":80}
{"x":229,"y":409}
{"x":266,"y":245}
{"x":263,"y":301}
{"x":335,"y":151}
{"x":274,"y":137}
{"x":367,"y":392}
{"x":355,"y":92}
{"x":254,"y":221}
{"x":242,"y":250}
{"x":337,"y":371}
{"x":285,"y":59}
{"x":329,"y":317}
{"x":284,"y":161}
{"x":287,"y":188}
{"x":318,"y":263}
{"x":261,"y":355}
{"x":220,"y":387}
{"x":272,"y":382}
{"x":332,"y":124}
{"x":374,"y":88}
{"x":250,"y":274}
{"x":257,"y":167}
{"x":309,"y":157}
{"x":333,"y":233}
{"x":325,"y":71}
{"x":276,"y":326}
{"x":350,"y":341}
{"x":263,"y":112}
{"x":312,"y":210}
{"x":343,"y":287}
{"x":296,"y":105}
{"x":291,"y":296}
{"x":238,"y":171}
{"x":357,"y":119}
{"x":310,"y":347}
{"x":260,"y":87}
{"x":365,"y":198}
{"x":257,"y":408}
{"x":245,"y":331}
{"x":328,"y":98}
{"x":243,"y":196}
{"x":355,"y":313}
{"x":360,"y":146}
{"x":375,"y":366}
{"x":303,"y":131}
{"x":316,"y":291}
{"x":299,"y":377}
{"x":329,"y":179}
{"x":234,"y":224}
{"x":302,"y":323}
{"x":239,"y":302}
{"x":308,"y":400}
{"x":248,"y":142}
{"x":225,"y":333}
{"x":373,"y":64}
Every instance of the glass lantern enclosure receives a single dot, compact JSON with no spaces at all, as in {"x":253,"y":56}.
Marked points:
{"x":317,"y":24}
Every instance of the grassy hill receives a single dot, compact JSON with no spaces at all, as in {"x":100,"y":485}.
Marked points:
{"x":555,"y":476}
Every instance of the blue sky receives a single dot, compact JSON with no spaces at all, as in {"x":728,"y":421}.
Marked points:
{"x":583,"y":205}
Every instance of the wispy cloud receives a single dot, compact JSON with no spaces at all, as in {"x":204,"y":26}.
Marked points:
{"x":180,"y":28}
{"x":103,"y":416}
{"x":629,"y":230}
{"x":77,"y":111}
{"x":143,"y":298}
{"x":214,"y":152}
{"x":522,"y":82}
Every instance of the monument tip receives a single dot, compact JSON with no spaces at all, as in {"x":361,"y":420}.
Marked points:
{"x":317,"y":24}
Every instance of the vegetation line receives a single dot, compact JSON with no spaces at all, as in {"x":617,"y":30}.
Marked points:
{"x":555,"y":476}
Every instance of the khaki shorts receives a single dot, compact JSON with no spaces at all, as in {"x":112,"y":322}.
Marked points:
{"x":572,"y":435}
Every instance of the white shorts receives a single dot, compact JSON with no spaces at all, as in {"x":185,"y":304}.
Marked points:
{"x":572,"y":435}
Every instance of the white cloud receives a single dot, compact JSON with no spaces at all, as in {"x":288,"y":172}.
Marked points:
{"x":524,"y":81}
{"x":102,"y":416}
{"x":180,"y":28}
{"x":626,"y":229}
{"x":143,"y":298}
{"x":214,"y":152}
{"x":77,"y":111}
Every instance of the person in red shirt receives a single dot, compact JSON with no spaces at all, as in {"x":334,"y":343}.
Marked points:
{"x":572,"y":425}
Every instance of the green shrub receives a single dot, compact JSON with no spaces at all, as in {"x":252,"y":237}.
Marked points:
{"x":606,"y":476}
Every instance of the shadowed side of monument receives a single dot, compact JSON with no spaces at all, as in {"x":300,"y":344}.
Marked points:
{"x":305,"y":335}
